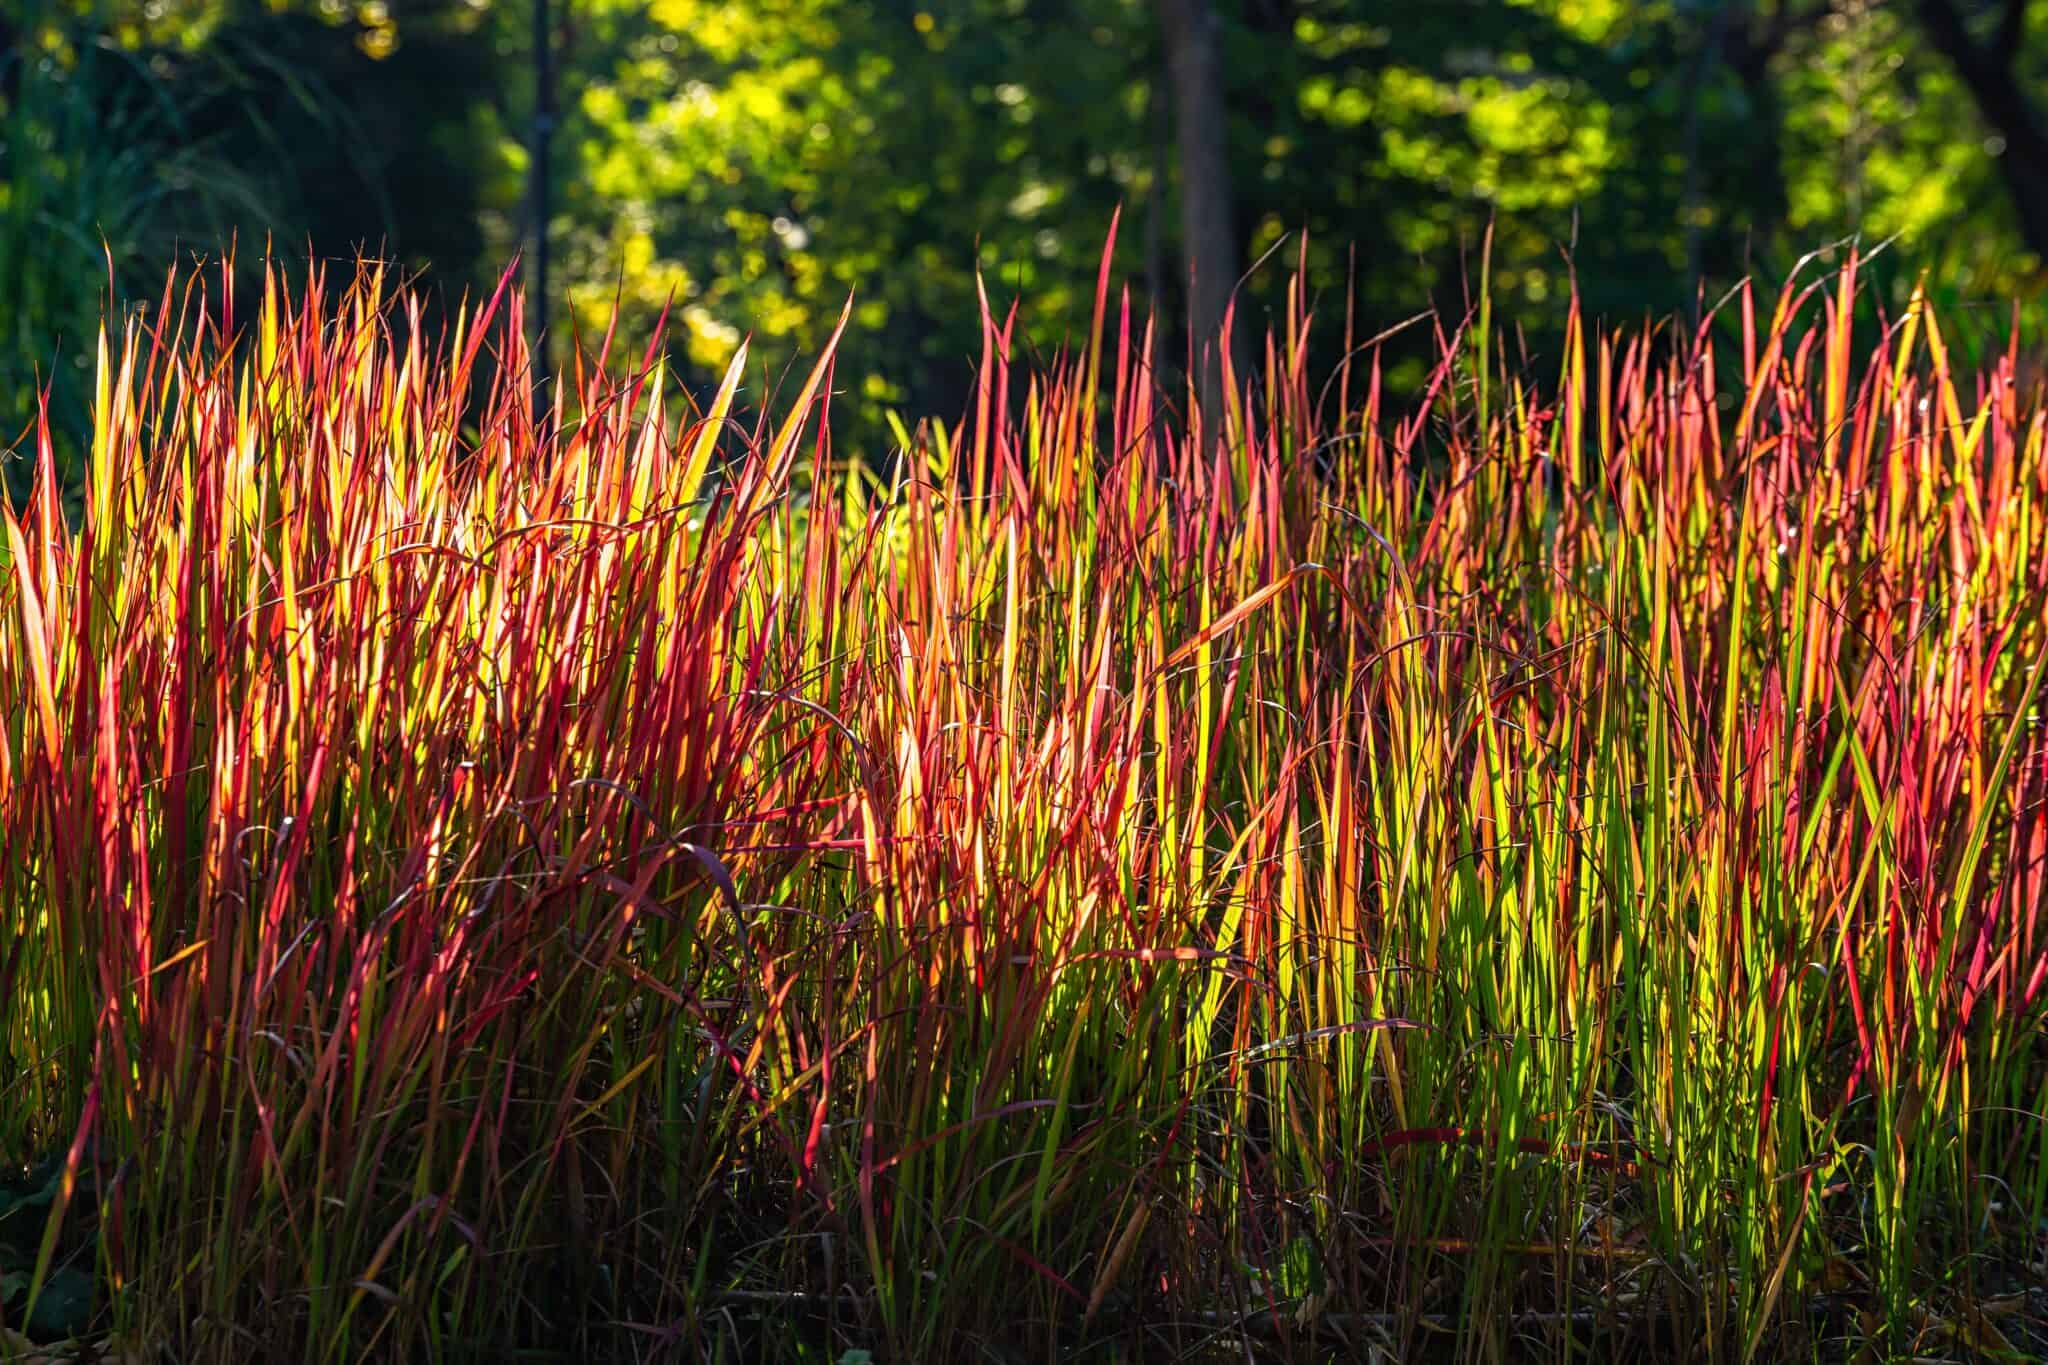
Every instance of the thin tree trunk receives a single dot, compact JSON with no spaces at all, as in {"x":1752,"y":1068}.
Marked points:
{"x":1161,"y":124}
{"x":539,"y":184}
{"x":1698,"y":75}
{"x":1208,"y":241}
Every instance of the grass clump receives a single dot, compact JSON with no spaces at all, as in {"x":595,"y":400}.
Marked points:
{"x":1552,"y":866}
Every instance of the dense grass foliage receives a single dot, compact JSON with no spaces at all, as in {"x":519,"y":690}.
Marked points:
{"x":1556,"y":869}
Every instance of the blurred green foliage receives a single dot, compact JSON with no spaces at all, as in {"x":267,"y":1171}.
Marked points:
{"x":100,"y":176}
{"x":754,"y":162}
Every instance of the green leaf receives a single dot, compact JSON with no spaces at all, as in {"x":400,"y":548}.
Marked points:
{"x":1302,"y":1270}
{"x":65,"y":1306}
{"x":25,"y":1203}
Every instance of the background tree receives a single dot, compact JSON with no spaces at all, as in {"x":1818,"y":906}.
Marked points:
{"x":754,"y":162}
{"x":1992,"y":66}
{"x":1211,"y":255}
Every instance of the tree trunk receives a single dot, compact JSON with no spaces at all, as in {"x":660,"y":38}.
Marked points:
{"x":539,"y":183}
{"x":1986,"y":69}
{"x":1208,"y":240}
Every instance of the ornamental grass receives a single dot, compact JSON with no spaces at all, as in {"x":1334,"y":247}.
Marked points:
{"x":1548,"y":864}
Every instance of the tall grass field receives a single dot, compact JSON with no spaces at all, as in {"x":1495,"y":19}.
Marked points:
{"x":1548,"y":868}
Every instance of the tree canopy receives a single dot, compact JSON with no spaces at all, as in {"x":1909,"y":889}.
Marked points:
{"x":749,"y":164}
